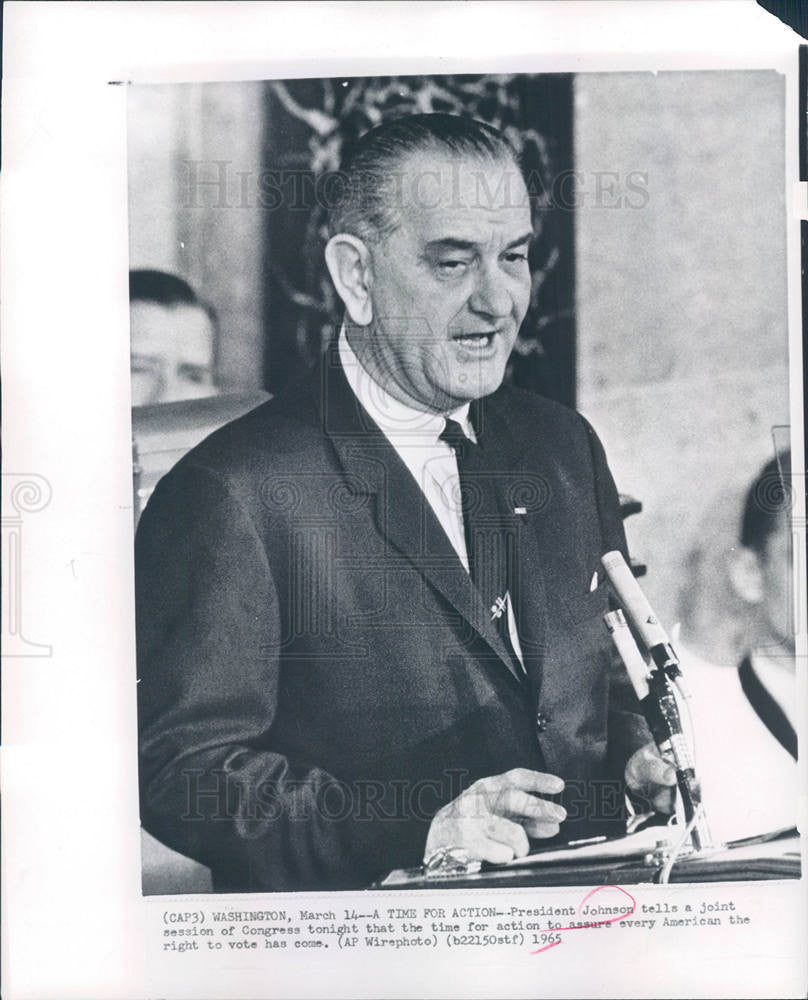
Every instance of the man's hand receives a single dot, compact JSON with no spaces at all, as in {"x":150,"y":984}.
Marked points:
{"x":493,"y":818}
{"x":649,"y":775}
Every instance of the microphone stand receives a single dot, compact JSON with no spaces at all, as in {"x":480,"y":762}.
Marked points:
{"x":653,"y":671}
{"x":662,"y":712}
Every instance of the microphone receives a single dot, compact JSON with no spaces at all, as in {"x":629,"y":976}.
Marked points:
{"x":642,"y":615}
{"x":650,"y":674}
{"x":635,"y":663}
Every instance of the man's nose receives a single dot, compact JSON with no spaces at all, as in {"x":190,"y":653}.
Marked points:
{"x":490,"y":296}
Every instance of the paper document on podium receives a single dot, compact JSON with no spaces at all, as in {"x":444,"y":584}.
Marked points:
{"x":644,"y":841}
{"x":649,"y":839}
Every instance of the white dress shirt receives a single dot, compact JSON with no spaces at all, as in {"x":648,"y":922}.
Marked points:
{"x":414,"y":434}
{"x":749,"y":781}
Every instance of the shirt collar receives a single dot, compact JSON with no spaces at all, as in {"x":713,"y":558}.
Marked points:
{"x":396,"y":419}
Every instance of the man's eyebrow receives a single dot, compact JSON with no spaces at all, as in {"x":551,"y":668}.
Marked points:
{"x":453,"y":243}
{"x":518,"y":242}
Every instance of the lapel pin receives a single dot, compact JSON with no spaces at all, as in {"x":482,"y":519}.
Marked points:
{"x":497,"y":608}
{"x":520,"y":510}
{"x":594,"y":584}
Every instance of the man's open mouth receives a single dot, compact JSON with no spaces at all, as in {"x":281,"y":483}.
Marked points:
{"x":474,"y":339}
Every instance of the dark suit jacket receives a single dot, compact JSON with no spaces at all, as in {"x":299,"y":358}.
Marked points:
{"x":317,"y":673}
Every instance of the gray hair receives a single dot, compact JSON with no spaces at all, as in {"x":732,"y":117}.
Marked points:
{"x":364,"y":205}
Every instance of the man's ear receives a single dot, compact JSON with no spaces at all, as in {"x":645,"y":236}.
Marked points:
{"x":746,"y":575}
{"x":348,"y":261}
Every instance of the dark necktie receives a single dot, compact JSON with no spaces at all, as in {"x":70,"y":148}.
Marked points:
{"x":488,"y":544}
{"x":769,"y":712}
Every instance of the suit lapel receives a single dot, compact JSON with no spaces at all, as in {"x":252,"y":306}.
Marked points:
{"x":401,"y":511}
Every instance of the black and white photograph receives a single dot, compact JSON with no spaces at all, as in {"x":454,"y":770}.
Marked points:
{"x":404,"y":578}
{"x":370,"y":573}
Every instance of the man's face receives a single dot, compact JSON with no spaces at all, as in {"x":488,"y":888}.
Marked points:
{"x":172,"y":353}
{"x":451,"y":285}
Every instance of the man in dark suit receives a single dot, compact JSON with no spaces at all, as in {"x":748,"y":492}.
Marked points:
{"x":369,"y":612}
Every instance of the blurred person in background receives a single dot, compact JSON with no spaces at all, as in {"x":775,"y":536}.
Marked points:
{"x":173,"y":338}
{"x":744,"y":713}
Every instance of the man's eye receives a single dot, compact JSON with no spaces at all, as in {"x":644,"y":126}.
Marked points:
{"x":515,"y":258}
{"x":452,"y":266}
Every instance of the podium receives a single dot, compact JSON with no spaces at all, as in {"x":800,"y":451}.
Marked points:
{"x":777,"y":859}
